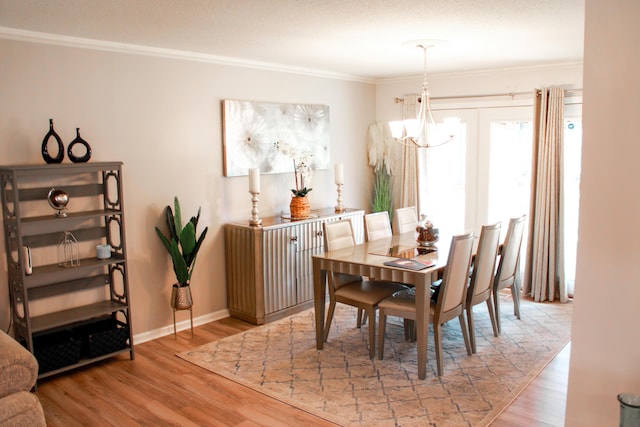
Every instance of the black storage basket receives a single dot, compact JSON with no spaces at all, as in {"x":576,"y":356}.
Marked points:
{"x":56,"y":350}
{"x":102,"y":337}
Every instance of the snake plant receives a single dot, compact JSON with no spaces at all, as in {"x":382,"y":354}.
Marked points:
{"x":181,"y":242}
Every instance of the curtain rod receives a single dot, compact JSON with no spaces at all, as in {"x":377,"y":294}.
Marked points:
{"x":491,"y":95}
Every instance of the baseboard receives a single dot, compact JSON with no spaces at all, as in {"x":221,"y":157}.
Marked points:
{"x":180,"y":326}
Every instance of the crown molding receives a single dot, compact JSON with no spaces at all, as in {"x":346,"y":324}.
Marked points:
{"x":109,"y":46}
{"x":485,"y":72}
{"x":132,"y":49}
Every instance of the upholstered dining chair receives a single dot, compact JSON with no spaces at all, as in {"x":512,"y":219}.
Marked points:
{"x":353,"y":290}
{"x":405,"y":220}
{"x":449,"y":304}
{"x":377,"y":226}
{"x":480,"y":286}
{"x":507,"y":274}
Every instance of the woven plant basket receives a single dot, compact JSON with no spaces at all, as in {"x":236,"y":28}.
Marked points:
{"x":299,"y":207}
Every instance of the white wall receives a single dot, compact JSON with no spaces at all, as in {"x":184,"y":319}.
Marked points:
{"x":515,"y":80}
{"x":605,"y":349}
{"x":162,"y":118}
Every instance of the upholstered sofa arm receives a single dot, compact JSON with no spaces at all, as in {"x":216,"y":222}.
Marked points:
{"x":21,"y":409}
{"x":18,"y":367}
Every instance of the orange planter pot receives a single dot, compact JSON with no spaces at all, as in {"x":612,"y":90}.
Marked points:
{"x":299,"y":207}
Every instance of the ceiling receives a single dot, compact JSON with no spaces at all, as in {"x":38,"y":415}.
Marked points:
{"x":357,"y":38}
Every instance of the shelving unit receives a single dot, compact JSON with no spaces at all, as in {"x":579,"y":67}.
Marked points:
{"x":55,"y":301}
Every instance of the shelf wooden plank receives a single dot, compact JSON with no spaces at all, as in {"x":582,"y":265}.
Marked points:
{"x":53,"y":273}
{"x":82,"y":362}
{"x":70,"y":216}
{"x":55,"y":289}
{"x":60,"y":169}
{"x":40,"y":239}
{"x":73,"y":315}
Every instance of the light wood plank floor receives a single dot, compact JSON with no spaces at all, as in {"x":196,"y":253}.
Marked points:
{"x":158,"y":388}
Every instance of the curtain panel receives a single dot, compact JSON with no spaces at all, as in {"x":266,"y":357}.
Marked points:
{"x":409,"y":186}
{"x":544,"y":269}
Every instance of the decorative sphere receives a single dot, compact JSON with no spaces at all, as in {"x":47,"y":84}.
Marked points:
{"x":58,"y":199}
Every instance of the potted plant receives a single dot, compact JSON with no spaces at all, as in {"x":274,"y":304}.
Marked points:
{"x":379,"y":149}
{"x":183,"y":247}
{"x":299,"y":205}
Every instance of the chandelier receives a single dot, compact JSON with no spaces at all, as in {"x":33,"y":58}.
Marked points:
{"x":423,"y":131}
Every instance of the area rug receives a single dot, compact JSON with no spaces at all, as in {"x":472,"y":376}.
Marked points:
{"x":341,"y":384}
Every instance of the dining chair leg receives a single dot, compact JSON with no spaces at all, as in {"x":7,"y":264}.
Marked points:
{"x":515,"y":294}
{"x":496,"y":305}
{"x":372,"y":333}
{"x":465,"y":333}
{"x":410,"y":330}
{"x":438,"y":344}
{"x":492,"y":316}
{"x":382,"y":325}
{"x":472,"y":331}
{"x":327,"y":324}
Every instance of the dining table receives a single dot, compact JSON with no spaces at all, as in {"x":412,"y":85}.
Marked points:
{"x":368,"y":259}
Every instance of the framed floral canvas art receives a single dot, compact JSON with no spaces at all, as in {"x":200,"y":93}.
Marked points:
{"x":270,"y":136}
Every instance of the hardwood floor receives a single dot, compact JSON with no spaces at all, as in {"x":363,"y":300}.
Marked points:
{"x":158,"y":388}
{"x":543,"y":402}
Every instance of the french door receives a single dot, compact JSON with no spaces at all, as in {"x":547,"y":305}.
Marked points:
{"x":484,"y":175}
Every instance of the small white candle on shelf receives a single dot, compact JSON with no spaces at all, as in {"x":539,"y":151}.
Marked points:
{"x":339,"y":173}
{"x":254,"y":180}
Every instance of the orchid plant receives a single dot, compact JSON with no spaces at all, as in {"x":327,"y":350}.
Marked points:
{"x":303,"y":174}
{"x":301,"y":168}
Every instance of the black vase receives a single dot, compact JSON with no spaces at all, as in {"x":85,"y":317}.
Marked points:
{"x":45,"y":146}
{"x":79,"y":140}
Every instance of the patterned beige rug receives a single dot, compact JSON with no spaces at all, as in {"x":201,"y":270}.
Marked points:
{"x":341,"y":384}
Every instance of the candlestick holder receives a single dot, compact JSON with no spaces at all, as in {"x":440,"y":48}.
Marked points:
{"x":255,"y":217}
{"x":340,"y":207}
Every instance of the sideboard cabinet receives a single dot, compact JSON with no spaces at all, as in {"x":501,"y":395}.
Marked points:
{"x":269,"y":268}
{"x":69,"y":304}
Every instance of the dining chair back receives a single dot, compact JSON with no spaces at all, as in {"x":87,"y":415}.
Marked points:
{"x":377,"y":226}
{"x":508,"y":274}
{"x":350,"y":289}
{"x":450,"y":302}
{"x":405,"y":220}
{"x":483,"y":269}
{"x":338,"y":235}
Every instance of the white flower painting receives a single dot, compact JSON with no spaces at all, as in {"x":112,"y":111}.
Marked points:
{"x":254,"y":134}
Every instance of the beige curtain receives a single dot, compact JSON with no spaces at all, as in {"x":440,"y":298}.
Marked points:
{"x":544,"y":272}
{"x":409,"y":189}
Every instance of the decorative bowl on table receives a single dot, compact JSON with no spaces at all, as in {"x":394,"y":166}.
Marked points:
{"x":428,"y":235}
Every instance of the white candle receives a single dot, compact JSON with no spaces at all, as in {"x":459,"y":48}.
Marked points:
{"x":339,"y":173}
{"x":254,"y":180}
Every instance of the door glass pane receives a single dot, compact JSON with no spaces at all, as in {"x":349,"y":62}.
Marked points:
{"x":442,"y":183}
{"x":571,"y":185}
{"x":509,"y":170}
